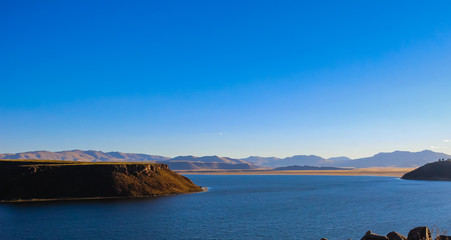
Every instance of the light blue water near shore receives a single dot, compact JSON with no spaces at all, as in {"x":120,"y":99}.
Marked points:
{"x":243,"y":207}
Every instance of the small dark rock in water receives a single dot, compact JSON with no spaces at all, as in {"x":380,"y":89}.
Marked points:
{"x":395,"y":236}
{"x":442,"y":237}
{"x":420,"y":233}
{"x":371,"y":236}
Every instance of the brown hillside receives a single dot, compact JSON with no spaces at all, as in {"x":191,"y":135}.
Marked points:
{"x":35,"y":179}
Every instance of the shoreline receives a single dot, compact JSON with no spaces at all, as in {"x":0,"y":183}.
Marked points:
{"x":204,"y":189}
{"x":385,"y":172}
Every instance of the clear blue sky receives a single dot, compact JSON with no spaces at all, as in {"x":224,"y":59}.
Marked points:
{"x":231,"y":78}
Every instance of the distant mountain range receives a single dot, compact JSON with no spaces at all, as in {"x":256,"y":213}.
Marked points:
{"x":207,"y":162}
{"x":308,"y":160}
{"x":86,"y":156}
{"x":177,"y":163}
{"x":392,"y":159}
{"x":396,"y":159}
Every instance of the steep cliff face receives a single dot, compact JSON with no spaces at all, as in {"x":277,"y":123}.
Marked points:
{"x":27,"y":180}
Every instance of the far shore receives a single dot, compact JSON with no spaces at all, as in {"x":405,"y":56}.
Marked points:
{"x":386,"y":171}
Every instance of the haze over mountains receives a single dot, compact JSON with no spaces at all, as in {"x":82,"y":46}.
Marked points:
{"x":392,"y":159}
{"x":207,"y":162}
{"x":397,"y":159}
{"x":87,"y":156}
{"x":309,"y":160}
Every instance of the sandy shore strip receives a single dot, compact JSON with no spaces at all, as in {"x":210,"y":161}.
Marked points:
{"x":388,"y":172}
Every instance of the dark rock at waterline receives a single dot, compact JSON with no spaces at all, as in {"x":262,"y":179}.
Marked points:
{"x":395,"y":236}
{"x":420,"y":233}
{"x":371,"y":236}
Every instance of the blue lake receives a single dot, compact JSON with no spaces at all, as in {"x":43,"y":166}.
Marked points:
{"x":244,"y":207}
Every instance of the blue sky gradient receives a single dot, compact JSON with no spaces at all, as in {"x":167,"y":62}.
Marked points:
{"x":230,"y":78}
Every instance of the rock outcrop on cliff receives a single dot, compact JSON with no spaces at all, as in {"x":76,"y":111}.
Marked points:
{"x":42,"y":180}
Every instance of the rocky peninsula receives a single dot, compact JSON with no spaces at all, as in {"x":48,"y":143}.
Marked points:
{"x":435,"y":171}
{"x":34,"y":180}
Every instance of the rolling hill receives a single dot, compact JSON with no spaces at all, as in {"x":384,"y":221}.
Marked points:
{"x":435,"y":171}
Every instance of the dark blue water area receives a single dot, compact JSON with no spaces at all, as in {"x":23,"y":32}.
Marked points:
{"x":243,"y":207}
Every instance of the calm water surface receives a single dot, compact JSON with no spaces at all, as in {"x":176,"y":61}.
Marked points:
{"x":243,"y":207}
